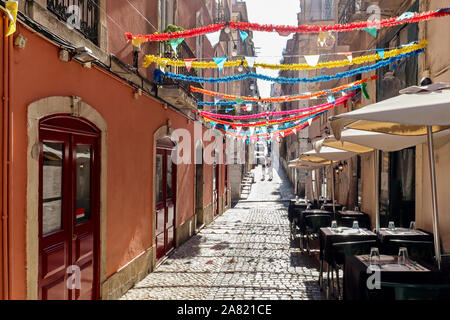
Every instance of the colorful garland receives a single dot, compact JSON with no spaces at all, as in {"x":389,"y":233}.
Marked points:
{"x":286,"y":30}
{"x":340,"y":75}
{"x":321,"y":108}
{"x":302,"y":96}
{"x":164,"y":62}
{"x":273,"y":114}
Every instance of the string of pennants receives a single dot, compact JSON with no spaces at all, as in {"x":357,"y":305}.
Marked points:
{"x":312,"y":61}
{"x":213,"y":31}
{"x":283,"y":123}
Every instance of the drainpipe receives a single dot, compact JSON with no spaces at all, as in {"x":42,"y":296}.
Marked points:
{"x":5,"y":165}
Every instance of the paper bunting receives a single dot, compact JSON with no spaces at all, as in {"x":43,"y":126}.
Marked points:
{"x":340,"y":75}
{"x":213,"y":38}
{"x":174,"y":43}
{"x":282,"y":133}
{"x":11,"y":10}
{"x":220,"y":61}
{"x":243,"y":34}
{"x":310,"y":121}
{"x":304,"y":111}
{"x":250,"y":61}
{"x":381,"y":53}
{"x":312,"y":60}
{"x":331,"y":99}
{"x":285,"y":30}
{"x":406,"y":16}
{"x":188,"y":63}
{"x":364,"y":91}
{"x":226,"y":126}
{"x":372,"y":31}
{"x":284,"y":33}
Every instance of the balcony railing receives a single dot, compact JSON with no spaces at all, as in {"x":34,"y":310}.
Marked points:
{"x":87,"y":11}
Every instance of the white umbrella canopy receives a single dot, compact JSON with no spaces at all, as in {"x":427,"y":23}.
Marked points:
{"x":416,"y":111}
{"x":383,"y":141}
{"x":331,"y":154}
{"x":415,"y":106}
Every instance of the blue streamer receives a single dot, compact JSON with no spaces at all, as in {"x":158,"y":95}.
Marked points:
{"x":340,"y":75}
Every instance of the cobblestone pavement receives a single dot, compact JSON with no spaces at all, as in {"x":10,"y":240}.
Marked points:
{"x":244,"y":254}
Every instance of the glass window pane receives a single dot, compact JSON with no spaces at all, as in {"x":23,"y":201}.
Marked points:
{"x":52,"y":165}
{"x":159,"y":178}
{"x":169,"y":176}
{"x":83,"y":209}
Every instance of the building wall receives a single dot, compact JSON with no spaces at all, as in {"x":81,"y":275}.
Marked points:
{"x":37,"y":73}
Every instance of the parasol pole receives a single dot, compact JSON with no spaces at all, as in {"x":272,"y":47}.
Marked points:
{"x":332,"y":187}
{"x":376,"y":164}
{"x":437,"y":247}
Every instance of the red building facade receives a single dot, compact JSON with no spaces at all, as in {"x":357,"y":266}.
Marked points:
{"x":88,"y":186}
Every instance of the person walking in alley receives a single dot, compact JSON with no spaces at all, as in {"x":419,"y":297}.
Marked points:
{"x":263,"y":169}
{"x":269,"y":166}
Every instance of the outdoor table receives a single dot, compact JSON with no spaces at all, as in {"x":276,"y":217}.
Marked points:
{"x":357,"y":215}
{"x":329,"y":206}
{"x":295,"y":208}
{"x":328,"y":236}
{"x":413,"y":272}
{"x":404,"y":234}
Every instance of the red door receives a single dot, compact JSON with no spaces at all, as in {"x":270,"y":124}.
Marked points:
{"x":216,"y":189}
{"x":165,"y":202}
{"x":68,"y":210}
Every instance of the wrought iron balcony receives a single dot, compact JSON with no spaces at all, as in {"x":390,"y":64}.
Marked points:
{"x":347,"y":9}
{"x":88,"y":11}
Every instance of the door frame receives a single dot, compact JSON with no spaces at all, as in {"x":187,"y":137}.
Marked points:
{"x":96,"y":134}
{"x":161,"y":132}
{"x":73,"y":106}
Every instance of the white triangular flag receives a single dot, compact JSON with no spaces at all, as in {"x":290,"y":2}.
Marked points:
{"x":312,"y":60}
{"x":310,"y":121}
{"x":250,"y":61}
{"x":350,"y":58}
{"x":294,"y":130}
{"x":282,"y":133}
{"x":214,"y":38}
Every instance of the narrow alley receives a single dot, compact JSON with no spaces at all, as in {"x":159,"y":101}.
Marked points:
{"x":244,"y":254}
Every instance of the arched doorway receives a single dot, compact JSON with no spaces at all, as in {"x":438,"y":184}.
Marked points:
{"x":165,"y":195}
{"x":69,"y":208}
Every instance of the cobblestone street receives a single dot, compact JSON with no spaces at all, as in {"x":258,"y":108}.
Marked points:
{"x":244,"y":254}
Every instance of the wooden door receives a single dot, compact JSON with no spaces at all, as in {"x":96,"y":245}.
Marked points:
{"x":68,"y":211}
{"x":165,"y":202}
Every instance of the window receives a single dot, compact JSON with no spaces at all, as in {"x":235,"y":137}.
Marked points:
{"x":87,"y":10}
{"x":52,"y":187}
{"x":83,"y":211}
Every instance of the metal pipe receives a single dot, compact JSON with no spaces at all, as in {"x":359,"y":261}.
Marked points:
{"x":376,"y":163}
{"x":5,"y":115}
{"x":437,"y":246}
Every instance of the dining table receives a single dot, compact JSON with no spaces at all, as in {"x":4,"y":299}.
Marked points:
{"x":386,"y":234}
{"x":328,"y":236}
{"x":360,"y":279}
{"x":357,"y":215}
{"x":329,"y":207}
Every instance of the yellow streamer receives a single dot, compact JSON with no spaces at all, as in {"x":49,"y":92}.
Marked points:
{"x":164,"y":62}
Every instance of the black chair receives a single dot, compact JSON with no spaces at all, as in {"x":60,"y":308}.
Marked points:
{"x":363,"y":222}
{"x":313,"y":223}
{"x":422,"y":250}
{"x":406,"y":291}
{"x":344,"y":249}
